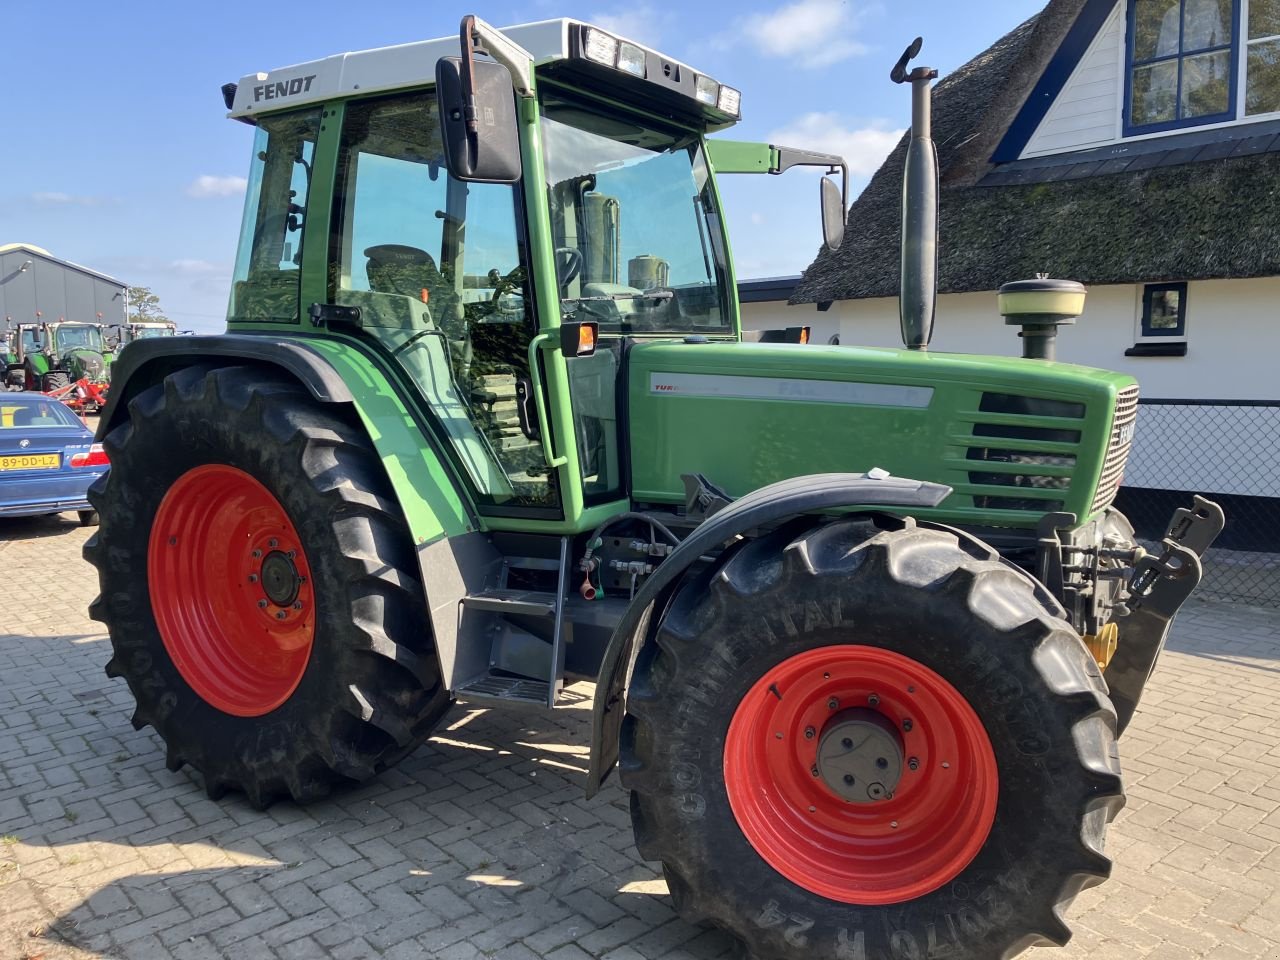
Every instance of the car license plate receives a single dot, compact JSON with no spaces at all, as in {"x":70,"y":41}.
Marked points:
{"x":31,"y":461}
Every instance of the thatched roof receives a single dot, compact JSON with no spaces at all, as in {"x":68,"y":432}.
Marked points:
{"x":1187,"y":207}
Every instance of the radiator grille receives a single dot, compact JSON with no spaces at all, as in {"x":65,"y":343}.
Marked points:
{"x":1028,"y":469}
{"x":1122,"y":429}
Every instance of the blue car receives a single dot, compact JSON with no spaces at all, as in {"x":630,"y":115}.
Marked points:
{"x":47,"y":458}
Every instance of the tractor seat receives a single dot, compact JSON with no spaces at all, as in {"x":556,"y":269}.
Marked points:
{"x":407,"y":271}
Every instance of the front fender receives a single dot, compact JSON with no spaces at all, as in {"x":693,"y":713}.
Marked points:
{"x":816,"y":494}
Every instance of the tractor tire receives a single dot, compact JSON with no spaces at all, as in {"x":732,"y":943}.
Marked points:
{"x":55,"y":381}
{"x":871,"y":740}
{"x":260,"y":587}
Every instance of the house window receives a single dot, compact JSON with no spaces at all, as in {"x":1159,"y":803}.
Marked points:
{"x":1181,"y":66}
{"x":1164,"y":310}
{"x":1262,"y":58}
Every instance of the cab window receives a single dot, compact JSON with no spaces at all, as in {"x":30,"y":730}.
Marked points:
{"x":265,"y":285}
{"x":438,"y":270}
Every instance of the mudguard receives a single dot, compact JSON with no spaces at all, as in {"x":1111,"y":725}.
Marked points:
{"x":818,"y":493}
{"x":160,"y":355}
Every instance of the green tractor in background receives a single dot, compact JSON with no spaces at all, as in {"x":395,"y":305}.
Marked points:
{"x":864,"y":624}
{"x":51,"y":356}
{"x":120,"y":335}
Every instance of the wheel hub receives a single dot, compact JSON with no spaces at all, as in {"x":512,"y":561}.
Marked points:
{"x":860,"y":756}
{"x":280,"y":579}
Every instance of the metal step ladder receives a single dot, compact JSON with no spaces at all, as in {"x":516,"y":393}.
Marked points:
{"x":525,"y":633}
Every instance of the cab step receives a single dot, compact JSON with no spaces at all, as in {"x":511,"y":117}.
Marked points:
{"x":513,"y":603}
{"x":507,"y":691}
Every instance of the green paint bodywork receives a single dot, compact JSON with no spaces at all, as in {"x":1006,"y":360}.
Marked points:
{"x":427,"y":493}
{"x":739,"y":443}
{"x":739,"y":156}
{"x":746,"y":443}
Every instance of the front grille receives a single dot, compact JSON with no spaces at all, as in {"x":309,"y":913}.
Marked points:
{"x":1122,"y":429}
{"x":1033,"y":470}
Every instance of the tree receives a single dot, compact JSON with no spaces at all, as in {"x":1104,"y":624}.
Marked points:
{"x":144,"y":306}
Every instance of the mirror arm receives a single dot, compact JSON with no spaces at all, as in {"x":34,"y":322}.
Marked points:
{"x":480,"y":37}
{"x":789,"y":157}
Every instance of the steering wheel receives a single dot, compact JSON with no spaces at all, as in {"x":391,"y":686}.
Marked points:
{"x":568,"y":265}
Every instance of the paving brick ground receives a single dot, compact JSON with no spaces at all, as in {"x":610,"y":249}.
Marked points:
{"x":481,"y":845}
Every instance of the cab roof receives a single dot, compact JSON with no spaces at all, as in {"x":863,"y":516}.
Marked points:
{"x":391,"y":68}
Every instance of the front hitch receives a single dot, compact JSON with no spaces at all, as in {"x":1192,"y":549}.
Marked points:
{"x":1159,"y":586}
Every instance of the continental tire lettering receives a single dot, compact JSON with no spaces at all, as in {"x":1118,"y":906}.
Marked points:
{"x":905,"y":946}
{"x":691,"y":807}
{"x":851,"y":947}
{"x":934,"y":948}
{"x":771,"y":915}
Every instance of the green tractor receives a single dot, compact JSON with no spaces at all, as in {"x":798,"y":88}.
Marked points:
{"x":120,"y":335}
{"x":52,"y":356}
{"x":864,"y":624}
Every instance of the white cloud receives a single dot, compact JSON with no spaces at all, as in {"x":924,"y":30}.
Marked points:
{"x":65,"y":199}
{"x":811,"y":33}
{"x":641,"y":22}
{"x":198,"y":267}
{"x":864,"y":149}
{"x":209,"y":186}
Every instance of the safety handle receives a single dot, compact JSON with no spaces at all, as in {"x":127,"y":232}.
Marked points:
{"x":535,"y":376}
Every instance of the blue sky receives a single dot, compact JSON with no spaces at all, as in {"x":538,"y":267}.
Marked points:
{"x":116,"y":152}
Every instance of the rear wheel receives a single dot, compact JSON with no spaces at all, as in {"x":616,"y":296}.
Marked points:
{"x":258,"y":585}
{"x":55,"y":381}
{"x":863,"y":742}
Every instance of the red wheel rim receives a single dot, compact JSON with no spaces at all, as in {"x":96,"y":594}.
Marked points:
{"x":922,"y":835}
{"x":231,"y":590}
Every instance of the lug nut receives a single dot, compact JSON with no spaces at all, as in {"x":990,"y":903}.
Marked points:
{"x":262,"y":604}
{"x":913,"y":764}
{"x":253,"y":578}
{"x":832,"y":703}
{"x":297,"y":604}
{"x":873,"y":700}
{"x":809,"y":733}
{"x":257,"y":553}
{"x":291,"y":554}
{"x":273,"y":543}
{"x":280,"y":615}
{"x":814,"y":770}
{"x":907,"y":725}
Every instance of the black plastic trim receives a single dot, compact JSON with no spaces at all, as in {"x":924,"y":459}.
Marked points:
{"x":1157,"y":350}
{"x":305,"y":364}
{"x":815,"y":494}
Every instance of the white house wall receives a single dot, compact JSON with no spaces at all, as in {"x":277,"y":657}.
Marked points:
{"x":1233,"y":333}
{"x":1087,"y":111}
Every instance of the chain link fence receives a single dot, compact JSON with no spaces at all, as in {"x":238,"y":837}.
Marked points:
{"x":1228,"y":451}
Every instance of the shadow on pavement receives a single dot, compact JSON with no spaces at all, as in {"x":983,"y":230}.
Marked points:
{"x":482,"y":835}
{"x":13,"y":529}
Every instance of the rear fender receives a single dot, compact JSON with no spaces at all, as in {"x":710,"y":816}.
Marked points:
{"x":424,"y":486}
{"x":816,"y":494}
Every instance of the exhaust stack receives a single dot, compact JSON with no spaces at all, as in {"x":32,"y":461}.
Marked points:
{"x":917,"y":300}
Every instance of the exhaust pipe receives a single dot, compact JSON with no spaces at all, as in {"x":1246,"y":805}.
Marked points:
{"x":917,"y":300}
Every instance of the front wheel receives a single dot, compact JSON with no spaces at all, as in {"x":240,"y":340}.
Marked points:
{"x":871,"y":743}
{"x":260,"y":587}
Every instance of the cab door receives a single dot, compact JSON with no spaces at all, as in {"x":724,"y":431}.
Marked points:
{"x":440,"y":272}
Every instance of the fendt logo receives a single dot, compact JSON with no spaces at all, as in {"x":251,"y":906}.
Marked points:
{"x":665,"y":388}
{"x":282,"y":88}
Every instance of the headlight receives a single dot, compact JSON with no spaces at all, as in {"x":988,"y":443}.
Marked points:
{"x":707,"y":90}
{"x":631,"y":59}
{"x":730,"y":101}
{"x":600,"y":47}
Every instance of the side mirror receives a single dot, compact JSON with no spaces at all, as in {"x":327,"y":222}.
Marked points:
{"x":490,"y":153}
{"x":833,"y":214}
